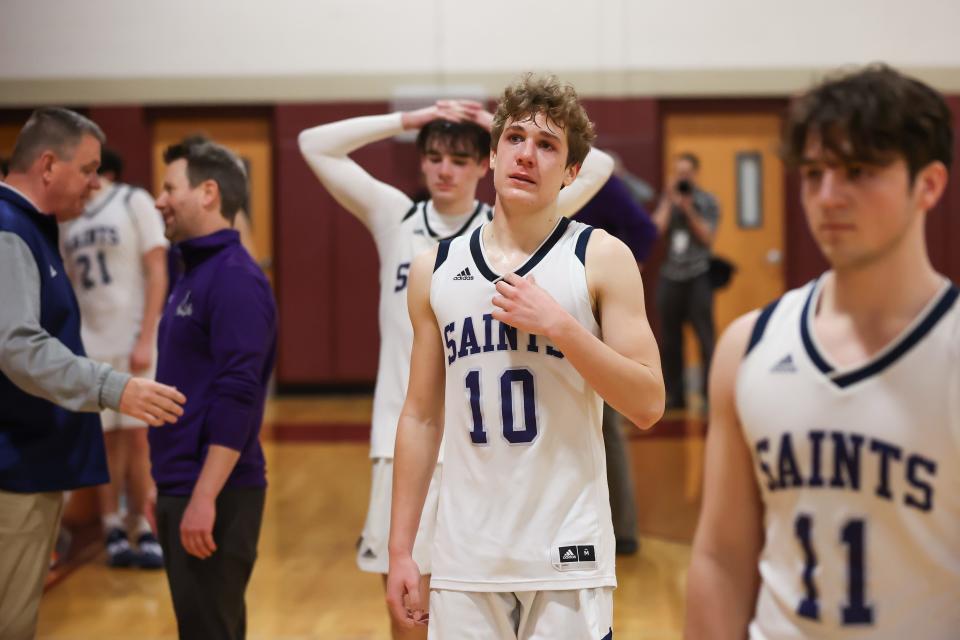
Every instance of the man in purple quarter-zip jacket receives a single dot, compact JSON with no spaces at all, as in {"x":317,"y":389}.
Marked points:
{"x":217,"y":343}
{"x":50,"y":393}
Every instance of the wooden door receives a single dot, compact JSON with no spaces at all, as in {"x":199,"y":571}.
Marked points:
{"x":249,"y":138}
{"x":733,"y":150}
{"x":8,"y":137}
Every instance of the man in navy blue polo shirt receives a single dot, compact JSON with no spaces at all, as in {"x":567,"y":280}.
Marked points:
{"x":50,"y":393}
{"x":217,"y":342}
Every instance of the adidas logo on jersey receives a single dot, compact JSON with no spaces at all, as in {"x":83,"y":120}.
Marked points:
{"x":577,"y":553}
{"x":785,"y":365}
{"x":464,"y":275}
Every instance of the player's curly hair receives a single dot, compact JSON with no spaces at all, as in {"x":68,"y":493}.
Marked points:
{"x":559,"y":102}
{"x":875,"y":115}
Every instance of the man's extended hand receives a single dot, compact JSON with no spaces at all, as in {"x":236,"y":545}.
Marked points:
{"x":152,"y":402}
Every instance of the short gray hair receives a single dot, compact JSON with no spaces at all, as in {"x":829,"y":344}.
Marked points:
{"x":51,"y":129}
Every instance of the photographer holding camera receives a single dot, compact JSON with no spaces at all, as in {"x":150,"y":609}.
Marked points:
{"x":687,"y":217}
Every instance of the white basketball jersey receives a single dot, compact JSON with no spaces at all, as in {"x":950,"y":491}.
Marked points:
{"x":421,"y":228}
{"x":104,"y":252}
{"x":859,"y":472}
{"x":523,"y":495}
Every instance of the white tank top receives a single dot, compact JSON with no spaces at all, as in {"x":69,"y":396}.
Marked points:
{"x":414,"y":235}
{"x":524,"y":504}
{"x":859,"y":473}
{"x":104,"y":251}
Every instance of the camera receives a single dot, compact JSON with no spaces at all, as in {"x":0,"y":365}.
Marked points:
{"x":684,"y":187}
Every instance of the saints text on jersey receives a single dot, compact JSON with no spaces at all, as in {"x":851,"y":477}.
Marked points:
{"x":462,"y":338}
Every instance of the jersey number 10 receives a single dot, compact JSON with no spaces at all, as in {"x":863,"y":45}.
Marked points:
{"x":510,"y":378}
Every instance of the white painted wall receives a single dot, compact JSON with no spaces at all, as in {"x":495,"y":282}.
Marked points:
{"x":618,"y":46}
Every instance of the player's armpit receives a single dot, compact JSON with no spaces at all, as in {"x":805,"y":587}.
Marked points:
{"x":723,"y":579}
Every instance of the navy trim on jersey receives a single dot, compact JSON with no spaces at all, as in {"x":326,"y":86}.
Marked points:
{"x":410,"y":212}
{"x":531,"y":262}
{"x":925,"y":326}
{"x":466,"y":225}
{"x":761,"y":324}
{"x":114,"y":190}
{"x":811,"y":349}
{"x":581,"y":249}
{"x":609,"y":635}
{"x":442,"y":250}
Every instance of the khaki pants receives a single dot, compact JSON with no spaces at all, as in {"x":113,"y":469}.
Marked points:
{"x":28,"y":529}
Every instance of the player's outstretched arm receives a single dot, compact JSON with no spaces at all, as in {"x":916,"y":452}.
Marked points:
{"x":623,"y":367}
{"x":326,"y":149}
{"x":594,"y":173}
{"x":419,"y":431}
{"x":723,"y":579}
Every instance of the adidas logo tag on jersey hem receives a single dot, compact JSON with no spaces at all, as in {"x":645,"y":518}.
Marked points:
{"x":575,"y":557}
{"x":464,"y":275}
{"x":785,"y":365}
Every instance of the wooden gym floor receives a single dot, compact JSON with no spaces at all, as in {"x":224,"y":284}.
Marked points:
{"x":306,"y":585}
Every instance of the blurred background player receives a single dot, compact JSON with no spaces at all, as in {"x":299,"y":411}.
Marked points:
{"x":618,"y":209}
{"x":830,"y":506}
{"x":454,"y":147}
{"x":115,"y":254}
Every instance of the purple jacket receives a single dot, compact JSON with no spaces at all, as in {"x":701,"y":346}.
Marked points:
{"x":217,"y":345}
{"x":614,"y":210}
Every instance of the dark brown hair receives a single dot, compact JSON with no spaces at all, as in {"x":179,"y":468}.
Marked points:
{"x":456,"y":138}
{"x":872,"y":115}
{"x":210,"y":161}
{"x":558,"y":102}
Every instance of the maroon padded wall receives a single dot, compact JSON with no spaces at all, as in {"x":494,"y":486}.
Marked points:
{"x":325,"y":260}
{"x":129,"y":133}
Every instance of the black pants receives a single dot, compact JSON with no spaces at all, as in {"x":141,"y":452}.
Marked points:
{"x":208,"y":594}
{"x":623,"y":507}
{"x":680,"y":302}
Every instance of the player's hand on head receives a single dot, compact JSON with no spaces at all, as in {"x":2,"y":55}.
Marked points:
{"x":403,"y":593}
{"x":522,"y":303}
{"x":152,"y":402}
{"x":419,"y":118}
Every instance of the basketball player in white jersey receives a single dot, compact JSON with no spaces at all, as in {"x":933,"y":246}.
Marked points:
{"x":832,"y":488}
{"x":453,"y":144}
{"x":525,"y":323}
{"x":116,"y":255}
